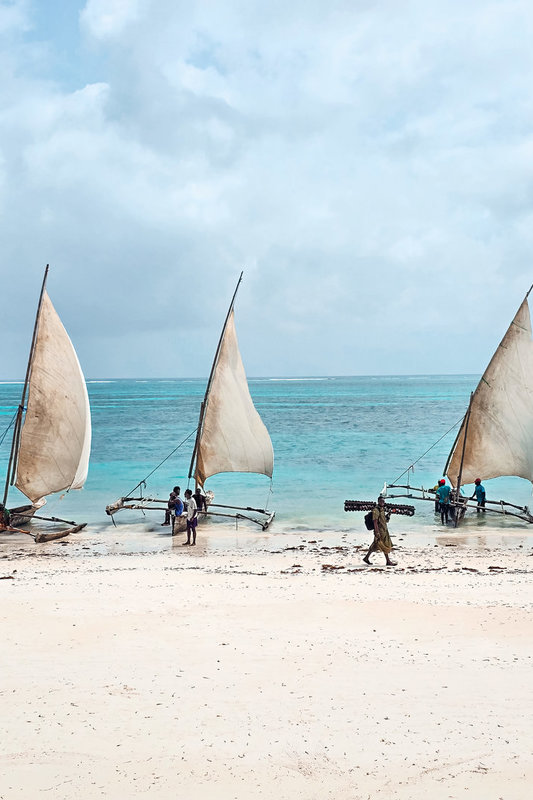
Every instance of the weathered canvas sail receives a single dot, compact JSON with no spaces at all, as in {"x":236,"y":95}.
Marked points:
{"x":499,"y":439}
{"x":56,"y":435}
{"x":233,"y":437}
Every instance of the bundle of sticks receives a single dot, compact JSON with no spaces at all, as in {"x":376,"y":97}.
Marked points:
{"x":368,"y":505}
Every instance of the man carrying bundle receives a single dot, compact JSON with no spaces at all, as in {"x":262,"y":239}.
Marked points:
{"x":382,"y":540}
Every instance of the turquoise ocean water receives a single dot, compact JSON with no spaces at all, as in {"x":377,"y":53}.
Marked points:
{"x":334,"y":439}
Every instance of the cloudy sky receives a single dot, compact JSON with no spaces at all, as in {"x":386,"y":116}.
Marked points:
{"x":368,"y":164}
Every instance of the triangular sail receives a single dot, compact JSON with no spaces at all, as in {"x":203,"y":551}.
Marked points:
{"x":56,"y":436}
{"x":233,"y":438}
{"x":500,"y":429}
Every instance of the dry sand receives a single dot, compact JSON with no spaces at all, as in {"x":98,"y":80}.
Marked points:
{"x":193,"y":673}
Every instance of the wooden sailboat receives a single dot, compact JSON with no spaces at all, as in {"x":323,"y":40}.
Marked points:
{"x":231,"y":436}
{"x":52,"y":430}
{"x":496,"y":435}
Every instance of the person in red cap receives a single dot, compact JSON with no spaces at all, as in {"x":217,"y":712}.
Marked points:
{"x":443,"y":493}
{"x":480,"y":495}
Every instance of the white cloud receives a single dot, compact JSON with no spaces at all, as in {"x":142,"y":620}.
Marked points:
{"x":369,"y":164}
{"x":105,"y":19}
{"x":14,"y":16}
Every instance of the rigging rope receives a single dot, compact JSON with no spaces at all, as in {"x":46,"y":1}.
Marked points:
{"x":8,"y":427}
{"x":411,"y":466}
{"x":143,"y":482}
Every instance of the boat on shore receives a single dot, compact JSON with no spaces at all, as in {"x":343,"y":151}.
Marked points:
{"x":495,"y":437}
{"x":230,"y":437}
{"x":51,"y":440}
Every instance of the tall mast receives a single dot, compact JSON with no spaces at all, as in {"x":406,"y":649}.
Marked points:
{"x":13,"y":456}
{"x":460,"y":476}
{"x":203,"y":405}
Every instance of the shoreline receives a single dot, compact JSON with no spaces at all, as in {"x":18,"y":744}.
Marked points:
{"x":223,"y":538}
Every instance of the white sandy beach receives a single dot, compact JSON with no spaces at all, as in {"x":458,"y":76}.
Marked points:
{"x":281,"y":673}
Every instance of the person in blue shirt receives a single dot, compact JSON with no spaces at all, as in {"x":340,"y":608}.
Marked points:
{"x":178,"y":505}
{"x":174,"y":501}
{"x":480,"y":495}
{"x":443,"y":493}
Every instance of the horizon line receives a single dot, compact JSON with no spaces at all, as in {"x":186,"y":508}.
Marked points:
{"x":276,"y":377}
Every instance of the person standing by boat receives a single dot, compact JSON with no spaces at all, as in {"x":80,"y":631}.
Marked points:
{"x":192,"y":517}
{"x":443,"y":493}
{"x":173,"y":496}
{"x":5,"y":518}
{"x":178,"y":504}
{"x":480,"y":495}
{"x":382,"y":540}
{"x":199,"y":498}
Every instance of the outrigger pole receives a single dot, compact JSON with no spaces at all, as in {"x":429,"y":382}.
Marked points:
{"x":262,"y":524}
{"x":46,"y":519}
{"x":524,"y":515}
{"x":203,"y":405}
{"x":141,"y":506}
{"x":15,"y":444}
{"x":163,"y":507}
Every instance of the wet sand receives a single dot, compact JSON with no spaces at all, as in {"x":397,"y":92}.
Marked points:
{"x":267,"y":666}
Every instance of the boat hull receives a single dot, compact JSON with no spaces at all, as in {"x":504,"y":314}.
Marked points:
{"x":22,"y":515}
{"x":179,"y":524}
{"x":42,"y":537}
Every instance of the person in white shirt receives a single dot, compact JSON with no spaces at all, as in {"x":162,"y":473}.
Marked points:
{"x":192,"y":517}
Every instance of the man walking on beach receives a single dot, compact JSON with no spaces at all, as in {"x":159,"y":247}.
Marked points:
{"x":192,"y":517}
{"x":382,"y":540}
